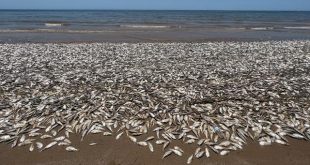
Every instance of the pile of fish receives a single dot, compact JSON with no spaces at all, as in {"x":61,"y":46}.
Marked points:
{"x":215,"y":96}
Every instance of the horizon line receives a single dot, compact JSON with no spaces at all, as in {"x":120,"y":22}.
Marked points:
{"x":162,"y":10}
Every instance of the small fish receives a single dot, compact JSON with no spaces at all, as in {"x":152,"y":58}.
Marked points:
{"x":142,"y":143}
{"x":22,"y":139}
{"x":49,"y":145}
{"x":63,"y":144}
{"x":297,"y":136}
{"x":166,"y":144}
{"x":225,"y":143}
{"x":190,"y":141}
{"x":150,"y":147}
{"x":224,"y":152}
{"x":280,"y":141}
{"x":160,"y":141}
{"x":45,"y":136}
{"x":199,"y":154}
{"x":218,"y":147}
{"x":149,"y":138}
{"x":92,"y":144}
{"x":192,"y":137}
{"x":107,"y":133}
{"x":132,"y":139}
{"x":178,"y":148}
{"x":70,"y":148}
{"x":264,"y":143}
{"x":119,"y":135}
{"x":60,"y":138}
{"x":177,"y":152}
{"x":167,"y":154}
{"x":39,"y":145}
{"x":190,"y":159}
{"x":31,"y":148}
{"x":197,"y":150}
{"x":54,"y":133}
{"x":201,"y":141}
{"x":207,"y":152}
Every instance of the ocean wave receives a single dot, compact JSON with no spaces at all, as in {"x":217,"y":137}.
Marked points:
{"x":146,"y":26}
{"x":298,"y":27}
{"x":262,"y":28}
{"x":54,"y":24}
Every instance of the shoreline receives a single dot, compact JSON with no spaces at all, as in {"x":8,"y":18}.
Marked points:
{"x":193,"y":35}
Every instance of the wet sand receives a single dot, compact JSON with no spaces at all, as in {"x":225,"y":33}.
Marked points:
{"x":108,"y":151}
{"x":166,"y":35}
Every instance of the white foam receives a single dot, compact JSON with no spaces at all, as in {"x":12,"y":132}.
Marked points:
{"x":53,"y":24}
{"x":298,"y":27}
{"x":262,"y":28}
{"x":145,"y":26}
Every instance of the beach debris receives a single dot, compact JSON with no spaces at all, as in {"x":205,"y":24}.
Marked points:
{"x":214,"y":96}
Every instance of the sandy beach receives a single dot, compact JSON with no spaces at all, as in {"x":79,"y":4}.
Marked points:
{"x":155,"y":103}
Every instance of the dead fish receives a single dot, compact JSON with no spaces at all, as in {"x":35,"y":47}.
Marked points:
{"x":27,"y":141}
{"x":190,"y":141}
{"x":22,"y":139}
{"x":92,"y":144}
{"x":119,"y":135}
{"x":225,"y":143}
{"x":199,"y":154}
{"x":192,"y":137}
{"x":166,"y":144}
{"x":34,"y":134}
{"x":31,"y":148}
{"x":49,"y":145}
{"x":63,"y":144}
{"x":67,"y":141}
{"x":296,"y":135}
{"x":280,"y":141}
{"x":197,"y":150}
{"x":167,"y":154}
{"x":14,"y":143}
{"x":177,"y":152}
{"x":207,"y":152}
{"x":224,"y":152}
{"x":150,"y":147}
{"x":54,"y":133}
{"x":60,"y":138}
{"x":107,"y":133}
{"x":45,"y":136}
{"x":264,"y":143}
{"x":190,"y":159}
{"x":132,"y":139}
{"x":70,"y":148}
{"x":39,"y":145}
{"x":5,"y":138}
{"x":160,"y":141}
{"x":142,"y":143}
{"x":218,"y":147}
{"x":178,"y":148}
{"x":149,"y":138}
{"x":201,"y":141}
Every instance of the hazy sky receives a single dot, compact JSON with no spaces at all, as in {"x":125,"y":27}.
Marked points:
{"x":159,"y":4}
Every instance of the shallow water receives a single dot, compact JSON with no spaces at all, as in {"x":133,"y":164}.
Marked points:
{"x":190,"y":25}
